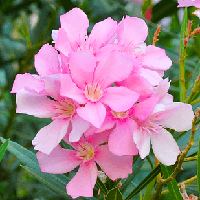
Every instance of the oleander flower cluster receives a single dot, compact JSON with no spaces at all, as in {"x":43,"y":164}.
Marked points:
{"x":106,"y":97}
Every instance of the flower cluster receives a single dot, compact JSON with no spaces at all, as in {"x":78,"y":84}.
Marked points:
{"x":106,"y":97}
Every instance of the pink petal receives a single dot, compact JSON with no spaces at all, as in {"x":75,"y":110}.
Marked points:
{"x":59,"y":161}
{"x":119,"y":98}
{"x":114,"y":166}
{"x":114,"y":67}
{"x":79,"y":126}
{"x":121,"y":139}
{"x":50,"y":136}
{"x":93,"y":112}
{"x":27,"y":81}
{"x":75,"y":24}
{"x":142,"y":141}
{"x":34,"y":104}
{"x":152,"y":76}
{"x":102,"y":32}
{"x":62,"y":43}
{"x":144,"y":109}
{"x":165,"y":147}
{"x":71,"y":91}
{"x":155,"y":58}
{"x":138,"y":84}
{"x":46,"y":61}
{"x":132,"y":31}
{"x":177,"y":116}
{"x":82,"y":65}
{"x":187,"y":3}
{"x":83,"y":182}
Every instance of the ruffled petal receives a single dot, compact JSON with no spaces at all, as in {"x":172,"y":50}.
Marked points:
{"x":75,"y":24}
{"x":79,"y":126}
{"x":121,"y":139}
{"x":59,"y":161}
{"x":82,"y":65}
{"x":34,"y":104}
{"x":119,"y":98}
{"x":50,"y":136}
{"x":46,"y":61}
{"x":132,"y":31}
{"x":114,"y":67}
{"x":70,"y":90}
{"x":28,"y":82}
{"x":165,"y":147}
{"x":101,"y":33}
{"x":177,"y":116}
{"x":144,"y":109}
{"x":83,"y":182}
{"x":114,"y":166}
{"x":93,"y":112}
{"x":155,"y":58}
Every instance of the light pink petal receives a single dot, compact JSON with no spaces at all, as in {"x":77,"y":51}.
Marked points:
{"x":50,"y":136}
{"x":119,"y":98}
{"x":138,"y":84}
{"x":197,"y":12}
{"x":165,"y":147}
{"x":121,"y":139}
{"x":162,"y":88}
{"x":59,"y":161}
{"x":62,"y":42}
{"x":132,"y":31}
{"x":114,"y":166}
{"x":75,"y":24}
{"x":114,"y":67}
{"x":187,"y":3}
{"x":46,"y":61}
{"x":54,"y":35}
{"x":70,"y":90}
{"x":64,"y":64}
{"x":34,"y":104}
{"x":177,"y":116}
{"x":155,"y":58}
{"x":82,"y":65}
{"x":27,"y":81}
{"x":52,"y":85}
{"x":152,"y":76}
{"x":102,"y":32}
{"x":79,"y":126}
{"x":84,"y":181}
{"x":144,"y":109}
{"x":142,"y":141}
{"x":93,"y":112}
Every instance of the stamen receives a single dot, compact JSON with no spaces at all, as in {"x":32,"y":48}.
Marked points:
{"x":93,"y":92}
{"x":120,"y":114}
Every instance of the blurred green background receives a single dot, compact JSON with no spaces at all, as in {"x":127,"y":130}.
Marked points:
{"x":25,"y":25}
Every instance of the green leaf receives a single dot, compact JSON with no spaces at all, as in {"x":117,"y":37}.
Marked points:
{"x":198,"y":168}
{"x":172,"y":185}
{"x":136,"y":168}
{"x":50,"y":181}
{"x":101,"y":185}
{"x":149,"y":189}
{"x":145,"y":182}
{"x":114,"y":194}
{"x":3,"y":148}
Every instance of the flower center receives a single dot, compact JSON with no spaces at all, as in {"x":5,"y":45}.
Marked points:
{"x":120,"y":114}
{"x":86,"y":151}
{"x":93,"y":92}
{"x":65,"y":108}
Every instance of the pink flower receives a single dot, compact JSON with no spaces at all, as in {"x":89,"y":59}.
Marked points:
{"x":187,"y":3}
{"x":86,"y":153}
{"x":40,"y":96}
{"x":89,"y":84}
{"x":173,"y":115}
{"x":72,"y":36}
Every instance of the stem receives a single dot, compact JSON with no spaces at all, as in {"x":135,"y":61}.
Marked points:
{"x":190,"y":159}
{"x":195,"y":102}
{"x":186,"y":182}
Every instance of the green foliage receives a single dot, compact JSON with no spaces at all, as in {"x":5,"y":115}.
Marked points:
{"x":3,"y":148}
{"x":114,"y":194}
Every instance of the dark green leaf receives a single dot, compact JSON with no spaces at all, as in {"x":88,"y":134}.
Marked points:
{"x":149,"y":189}
{"x":172,"y":185}
{"x":3,"y":148}
{"x":198,"y":168}
{"x":101,"y":185}
{"x":114,"y":194}
{"x":145,"y":182}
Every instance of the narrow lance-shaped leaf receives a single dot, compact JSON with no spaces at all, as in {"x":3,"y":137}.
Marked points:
{"x":3,"y":148}
{"x":114,"y":194}
{"x":172,"y":185}
{"x":198,"y":168}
